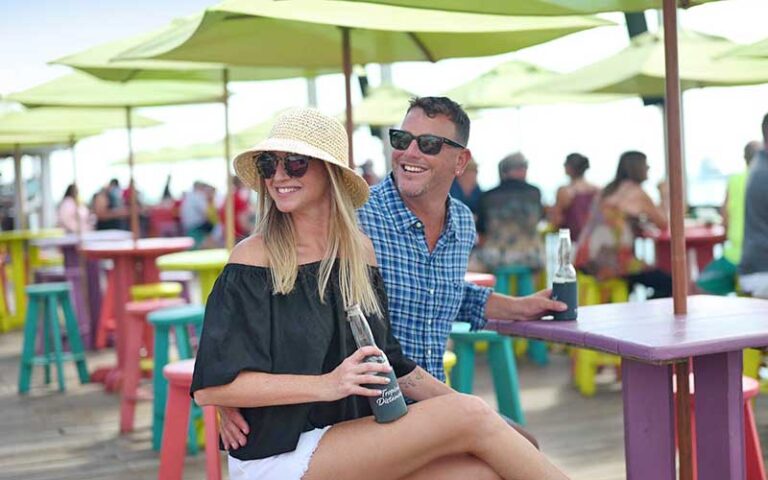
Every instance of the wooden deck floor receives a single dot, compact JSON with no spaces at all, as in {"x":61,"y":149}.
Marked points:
{"x":47,"y":435}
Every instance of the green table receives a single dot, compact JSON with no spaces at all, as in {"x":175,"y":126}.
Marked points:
{"x":16,"y":242}
{"x":208,"y":264}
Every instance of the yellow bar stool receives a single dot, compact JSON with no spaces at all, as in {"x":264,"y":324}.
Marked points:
{"x":586,"y":362}
{"x":449,"y":361}
{"x":152,"y":291}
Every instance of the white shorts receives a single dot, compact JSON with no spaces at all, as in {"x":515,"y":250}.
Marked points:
{"x":285,"y":466}
{"x":755,"y":284}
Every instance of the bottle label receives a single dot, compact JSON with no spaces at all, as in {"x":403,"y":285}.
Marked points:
{"x":390,"y":405}
{"x":568,"y":293}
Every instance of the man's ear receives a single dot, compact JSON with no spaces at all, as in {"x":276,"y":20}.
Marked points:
{"x":461,"y":164}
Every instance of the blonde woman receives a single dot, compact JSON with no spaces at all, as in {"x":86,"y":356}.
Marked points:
{"x":276,"y":342}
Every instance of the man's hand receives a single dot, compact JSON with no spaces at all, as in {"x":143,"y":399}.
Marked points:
{"x":232,"y":427}
{"x":532,"y":307}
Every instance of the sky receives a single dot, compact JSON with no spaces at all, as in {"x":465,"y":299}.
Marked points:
{"x":717,"y":121}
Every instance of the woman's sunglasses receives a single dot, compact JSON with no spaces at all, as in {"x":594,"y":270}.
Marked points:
{"x":295,"y":165}
{"x":428,"y":144}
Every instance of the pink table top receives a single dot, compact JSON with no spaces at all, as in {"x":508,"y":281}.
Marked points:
{"x":482,"y":279}
{"x":693,"y":234}
{"x":142,"y":247}
{"x":651,"y":333}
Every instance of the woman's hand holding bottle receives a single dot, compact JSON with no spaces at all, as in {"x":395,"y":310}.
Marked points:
{"x":350,"y":376}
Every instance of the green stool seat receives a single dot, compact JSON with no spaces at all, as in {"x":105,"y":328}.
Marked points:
{"x":178,"y":319}
{"x":149,"y":291}
{"x":47,"y":299}
{"x":502,"y":363}
{"x":523,"y":281}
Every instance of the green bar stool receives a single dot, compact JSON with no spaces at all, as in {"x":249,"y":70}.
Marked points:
{"x":46,"y":299}
{"x":502,"y":363}
{"x":178,"y":319}
{"x":523,"y":281}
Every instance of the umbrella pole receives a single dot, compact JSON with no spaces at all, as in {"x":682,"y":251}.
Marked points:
{"x":347,"y":62}
{"x":78,"y":220}
{"x":21,"y":222}
{"x":134,"y":207}
{"x":677,"y":233}
{"x":229,"y":218}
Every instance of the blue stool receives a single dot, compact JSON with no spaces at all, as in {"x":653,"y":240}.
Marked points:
{"x":523,"y":277}
{"x":46,"y":298}
{"x":178,"y":319}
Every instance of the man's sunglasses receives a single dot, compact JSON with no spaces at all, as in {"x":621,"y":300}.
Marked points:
{"x":428,"y":144}
{"x":295,"y":165}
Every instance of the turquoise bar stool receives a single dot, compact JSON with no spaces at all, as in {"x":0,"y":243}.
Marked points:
{"x":502,"y":363}
{"x":523,"y":280}
{"x":46,"y":299}
{"x":178,"y":319}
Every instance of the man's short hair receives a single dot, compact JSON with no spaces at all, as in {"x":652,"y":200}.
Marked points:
{"x":765,"y":127}
{"x":512,"y":162}
{"x":433,"y":106}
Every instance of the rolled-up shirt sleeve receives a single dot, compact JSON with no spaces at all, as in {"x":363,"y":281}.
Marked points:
{"x":472,"y":309}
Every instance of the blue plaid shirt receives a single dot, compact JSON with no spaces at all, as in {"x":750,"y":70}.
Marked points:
{"x":426,"y":290}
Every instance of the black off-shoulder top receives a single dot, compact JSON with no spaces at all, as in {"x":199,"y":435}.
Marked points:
{"x":247,"y":328}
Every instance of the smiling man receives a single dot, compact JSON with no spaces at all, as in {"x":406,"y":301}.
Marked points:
{"x":423,"y":237}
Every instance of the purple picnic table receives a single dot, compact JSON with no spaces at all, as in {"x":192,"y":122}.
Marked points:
{"x":650,"y":338}
{"x":87,"y":314}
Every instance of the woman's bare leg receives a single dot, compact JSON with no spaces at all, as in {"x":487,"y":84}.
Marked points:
{"x":455,"y":467}
{"x":439,"y":427}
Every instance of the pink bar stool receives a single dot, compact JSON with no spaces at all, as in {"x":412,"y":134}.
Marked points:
{"x":174,"y":446}
{"x":752,"y":449}
{"x":137,"y":323}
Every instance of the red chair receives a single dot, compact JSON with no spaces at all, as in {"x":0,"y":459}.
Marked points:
{"x":752,"y":449}
{"x":137,"y":325}
{"x":174,"y":446}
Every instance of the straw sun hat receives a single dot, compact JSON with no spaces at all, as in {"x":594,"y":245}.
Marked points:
{"x":306,"y":131}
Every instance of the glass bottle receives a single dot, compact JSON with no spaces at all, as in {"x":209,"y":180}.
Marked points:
{"x":390,"y":405}
{"x":564,"y":285}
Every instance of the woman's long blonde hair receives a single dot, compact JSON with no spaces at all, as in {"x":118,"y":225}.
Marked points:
{"x":345,"y":242}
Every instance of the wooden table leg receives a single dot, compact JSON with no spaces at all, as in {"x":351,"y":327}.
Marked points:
{"x":719,"y":416}
{"x":649,"y":437}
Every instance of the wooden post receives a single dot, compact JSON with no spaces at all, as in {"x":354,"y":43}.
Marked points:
{"x":134,"y":205}
{"x":347,"y":63}
{"x":229,"y":222}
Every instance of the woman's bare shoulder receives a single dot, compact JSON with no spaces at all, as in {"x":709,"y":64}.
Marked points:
{"x":250,"y":251}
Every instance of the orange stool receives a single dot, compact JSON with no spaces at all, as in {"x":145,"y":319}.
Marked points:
{"x":136,"y":326}
{"x":752,"y":450}
{"x":174,"y":447}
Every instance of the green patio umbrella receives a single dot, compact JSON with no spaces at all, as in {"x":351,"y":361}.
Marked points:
{"x":382,"y":107}
{"x":98,"y":61}
{"x":639,"y":69}
{"x":757,"y":50}
{"x":240,"y":141}
{"x":48,"y":128}
{"x":316,"y":34}
{"x":85,"y":91}
{"x":537,"y":7}
{"x":510,"y":85}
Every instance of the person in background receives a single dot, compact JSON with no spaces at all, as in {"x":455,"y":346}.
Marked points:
{"x":753,"y":268}
{"x":368,"y":174}
{"x":606,"y":245}
{"x":733,"y":206}
{"x":195,"y":212}
{"x":72,"y":215}
{"x":508,"y":219}
{"x":244,"y":215}
{"x":111,"y":212}
{"x":573,"y":201}
{"x":276,"y":342}
{"x":465,"y":188}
